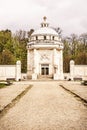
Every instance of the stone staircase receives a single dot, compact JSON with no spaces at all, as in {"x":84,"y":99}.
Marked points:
{"x":45,"y":77}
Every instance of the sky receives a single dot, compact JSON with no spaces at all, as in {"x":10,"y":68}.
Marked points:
{"x":69,"y":15}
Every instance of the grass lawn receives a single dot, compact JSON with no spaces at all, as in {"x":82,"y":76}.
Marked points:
{"x":2,"y":85}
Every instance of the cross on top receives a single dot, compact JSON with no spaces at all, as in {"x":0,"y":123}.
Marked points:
{"x":44,"y":23}
{"x":44,"y":18}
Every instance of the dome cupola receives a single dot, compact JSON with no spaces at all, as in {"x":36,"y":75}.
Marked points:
{"x":44,"y":36}
{"x":45,"y":29}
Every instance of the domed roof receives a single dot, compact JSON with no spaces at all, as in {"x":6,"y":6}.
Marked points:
{"x":45,"y":29}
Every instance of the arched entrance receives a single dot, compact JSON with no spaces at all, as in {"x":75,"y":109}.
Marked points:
{"x":44,"y":69}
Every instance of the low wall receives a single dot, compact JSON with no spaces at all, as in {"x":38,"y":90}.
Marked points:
{"x":77,"y":71}
{"x":80,"y":70}
{"x":10,"y":71}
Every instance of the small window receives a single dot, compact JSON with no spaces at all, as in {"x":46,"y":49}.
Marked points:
{"x":44,"y":37}
{"x":44,"y":25}
{"x":36,"y":37}
{"x":53,"y":37}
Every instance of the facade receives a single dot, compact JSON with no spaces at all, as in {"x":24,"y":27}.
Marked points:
{"x":45,"y":54}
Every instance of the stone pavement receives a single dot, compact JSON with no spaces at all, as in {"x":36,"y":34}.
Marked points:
{"x":76,"y":88}
{"x":9,"y":93}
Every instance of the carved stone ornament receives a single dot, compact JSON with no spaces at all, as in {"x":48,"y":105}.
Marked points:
{"x":44,"y":57}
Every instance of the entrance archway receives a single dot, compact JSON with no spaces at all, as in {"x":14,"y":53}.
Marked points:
{"x":45,"y":69}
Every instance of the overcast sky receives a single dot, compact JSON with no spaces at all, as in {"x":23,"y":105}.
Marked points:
{"x":70,"y":15}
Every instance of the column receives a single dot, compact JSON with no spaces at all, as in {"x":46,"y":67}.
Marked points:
{"x":55,"y":65}
{"x":54,"y":56}
{"x":35,"y":58}
{"x":61,"y":65}
{"x":34,"y":75}
{"x":28,"y":63}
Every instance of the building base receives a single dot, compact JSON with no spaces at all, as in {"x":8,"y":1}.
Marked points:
{"x":58,"y":77}
{"x":34,"y":76}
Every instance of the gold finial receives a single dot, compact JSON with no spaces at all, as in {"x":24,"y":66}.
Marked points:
{"x":44,"y":18}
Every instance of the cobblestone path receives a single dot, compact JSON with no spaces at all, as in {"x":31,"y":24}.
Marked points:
{"x":46,"y":106}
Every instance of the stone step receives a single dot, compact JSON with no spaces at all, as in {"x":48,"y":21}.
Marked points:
{"x":45,"y":77}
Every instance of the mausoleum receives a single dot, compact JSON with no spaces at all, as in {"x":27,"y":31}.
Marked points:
{"x":45,"y":54}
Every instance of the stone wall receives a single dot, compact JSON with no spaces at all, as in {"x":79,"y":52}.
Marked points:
{"x":10,"y":71}
{"x":77,"y":71}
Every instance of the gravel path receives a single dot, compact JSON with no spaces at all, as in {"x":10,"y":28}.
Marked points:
{"x":46,"y":106}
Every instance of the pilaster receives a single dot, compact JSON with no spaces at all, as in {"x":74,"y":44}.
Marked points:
{"x":72,"y":63}
{"x":18,"y":70}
